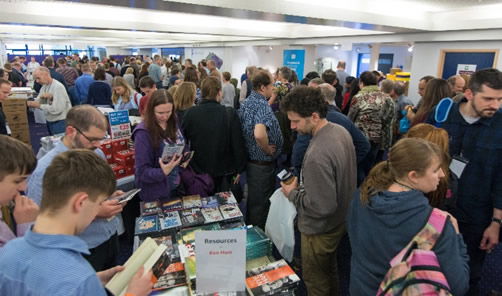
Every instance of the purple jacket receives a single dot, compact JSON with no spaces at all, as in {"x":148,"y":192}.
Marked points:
{"x":148,"y":174}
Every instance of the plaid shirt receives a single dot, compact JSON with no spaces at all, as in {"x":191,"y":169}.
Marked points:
{"x":480,"y":186}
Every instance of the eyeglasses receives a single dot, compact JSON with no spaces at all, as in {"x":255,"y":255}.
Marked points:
{"x":91,"y":140}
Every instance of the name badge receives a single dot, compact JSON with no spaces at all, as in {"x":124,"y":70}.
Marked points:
{"x":458,"y":165}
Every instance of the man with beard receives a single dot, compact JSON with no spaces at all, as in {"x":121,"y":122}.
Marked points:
{"x":475,"y":129}
{"x":85,"y":129}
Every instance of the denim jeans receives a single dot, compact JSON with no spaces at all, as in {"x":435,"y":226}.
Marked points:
{"x":56,"y":127}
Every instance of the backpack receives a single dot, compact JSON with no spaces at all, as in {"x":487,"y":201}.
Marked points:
{"x":415,"y":269}
{"x":442,"y":110}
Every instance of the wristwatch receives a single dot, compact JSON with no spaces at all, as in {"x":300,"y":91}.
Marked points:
{"x":499,"y":221}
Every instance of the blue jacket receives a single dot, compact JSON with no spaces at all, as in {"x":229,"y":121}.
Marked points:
{"x":381,"y":229}
{"x":82,"y":85}
{"x":100,"y":94}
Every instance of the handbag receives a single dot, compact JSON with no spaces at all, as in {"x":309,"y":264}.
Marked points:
{"x":194,"y":183}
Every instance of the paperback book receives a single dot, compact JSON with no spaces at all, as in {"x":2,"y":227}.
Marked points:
{"x":191,"y":201}
{"x":226,"y":198}
{"x":211,"y":215}
{"x":170,"y":220}
{"x":147,"y":224}
{"x":149,"y":208}
{"x":230,"y":211}
{"x":172,"y":205}
{"x":191,"y":217}
{"x":271,"y":279}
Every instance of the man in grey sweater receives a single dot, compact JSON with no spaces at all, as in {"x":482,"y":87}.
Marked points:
{"x":52,"y":99}
{"x":327,"y":182}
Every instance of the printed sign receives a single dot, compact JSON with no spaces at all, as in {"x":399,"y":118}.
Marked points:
{"x":221,"y":254}
{"x":466,"y":69}
{"x":295,"y":60}
{"x":119,"y":124}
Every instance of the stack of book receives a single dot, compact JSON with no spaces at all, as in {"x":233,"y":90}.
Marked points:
{"x":257,"y":243}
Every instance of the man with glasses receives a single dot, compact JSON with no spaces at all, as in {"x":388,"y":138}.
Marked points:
{"x":85,"y":129}
{"x":52,"y":99}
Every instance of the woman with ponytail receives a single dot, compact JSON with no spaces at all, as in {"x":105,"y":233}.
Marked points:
{"x":391,"y":208}
{"x":444,"y":197}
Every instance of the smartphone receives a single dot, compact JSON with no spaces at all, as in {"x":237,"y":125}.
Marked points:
{"x":128,"y":195}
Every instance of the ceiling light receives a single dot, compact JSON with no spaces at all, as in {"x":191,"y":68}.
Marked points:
{"x":337,"y":46}
{"x":410,"y":48}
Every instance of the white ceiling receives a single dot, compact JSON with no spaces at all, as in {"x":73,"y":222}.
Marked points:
{"x":163,"y":23}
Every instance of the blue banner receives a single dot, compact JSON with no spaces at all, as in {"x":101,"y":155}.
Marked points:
{"x":295,"y":60}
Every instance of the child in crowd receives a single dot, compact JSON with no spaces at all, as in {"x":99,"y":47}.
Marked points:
{"x":18,"y":162}
{"x":391,"y":201}
{"x":48,"y":259}
{"x":444,"y":197}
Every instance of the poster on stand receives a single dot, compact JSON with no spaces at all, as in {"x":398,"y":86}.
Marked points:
{"x":295,"y":60}
{"x":119,"y":124}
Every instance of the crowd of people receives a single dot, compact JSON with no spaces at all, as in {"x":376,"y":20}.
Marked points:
{"x":357,"y":169}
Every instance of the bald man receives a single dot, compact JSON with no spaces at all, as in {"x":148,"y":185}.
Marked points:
{"x":52,"y":99}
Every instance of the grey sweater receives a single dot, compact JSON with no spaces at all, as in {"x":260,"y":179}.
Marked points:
{"x":327,"y":181}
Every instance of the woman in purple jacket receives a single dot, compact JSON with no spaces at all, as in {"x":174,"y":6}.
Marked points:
{"x":158,"y":180}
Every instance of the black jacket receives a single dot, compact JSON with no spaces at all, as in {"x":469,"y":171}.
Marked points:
{"x":218,"y":143}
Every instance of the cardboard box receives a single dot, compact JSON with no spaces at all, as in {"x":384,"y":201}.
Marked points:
{"x":15,"y":105}
{"x":125,"y":158}
{"x":118,"y":170}
{"x":119,"y":145}
{"x":21,"y":135}
{"x":107,"y":148}
{"x":129,"y":171}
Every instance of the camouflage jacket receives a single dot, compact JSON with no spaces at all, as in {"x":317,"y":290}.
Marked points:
{"x":373,"y":112}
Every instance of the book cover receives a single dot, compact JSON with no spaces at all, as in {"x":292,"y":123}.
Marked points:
{"x":230,"y":211}
{"x":211,"y":215}
{"x":149,"y":208}
{"x":209,"y":202}
{"x":170,"y":150}
{"x":187,"y":236}
{"x":172,"y":205}
{"x":173,"y":276}
{"x":191,"y":201}
{"x":170,"y":220}
{"x":160,"y":266}
{"x":226,"y":198}
{"x":191,"y":217}
{"x":147,"y":224}
{"x":271,"y":279}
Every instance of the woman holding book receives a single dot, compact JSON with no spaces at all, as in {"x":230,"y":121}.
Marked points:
{"x":391,"y":201}
{"x":159,"y":179}
{"x":123,"y":96}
